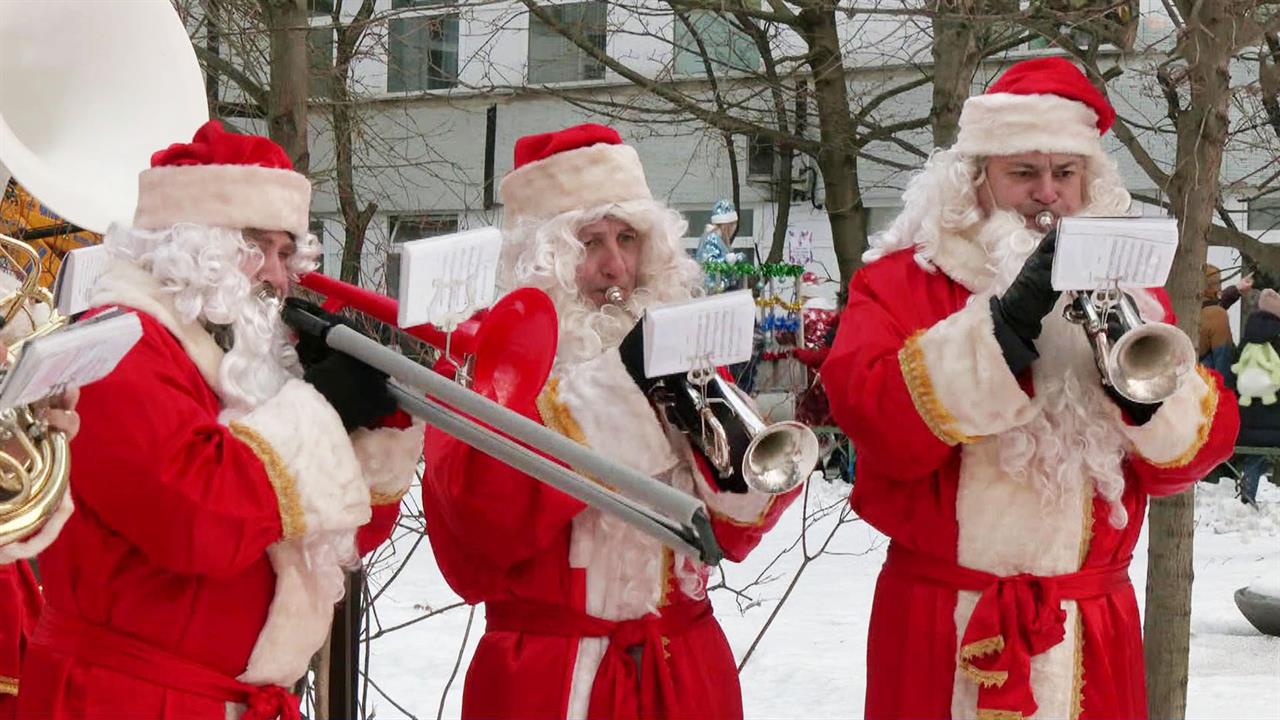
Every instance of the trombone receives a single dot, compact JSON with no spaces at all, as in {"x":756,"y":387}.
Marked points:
{"x":674,"y":518}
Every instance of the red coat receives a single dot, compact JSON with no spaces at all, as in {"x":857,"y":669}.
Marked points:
{"x":918,"y":382}
{"x":190,"y":534}
{"x":556,"y":575}
{"x":19,"y":610}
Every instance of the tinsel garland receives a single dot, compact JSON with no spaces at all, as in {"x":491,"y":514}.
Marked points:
{"x":738,"y":269}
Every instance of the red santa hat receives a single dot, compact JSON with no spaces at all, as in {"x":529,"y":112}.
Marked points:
{"x":581,"y":167}
{"x":221,"y":179}
{"x":1042,"y":105}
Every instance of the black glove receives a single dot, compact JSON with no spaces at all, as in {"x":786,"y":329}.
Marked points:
{"x":632,"y":352}
{"x":311,"y":346}
{"x":358,"y":392}
{"x":1017,"y":315}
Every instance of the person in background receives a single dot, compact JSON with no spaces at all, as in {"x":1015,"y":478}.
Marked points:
{"x":1257,"y":382}
{"x":1216,"y":347}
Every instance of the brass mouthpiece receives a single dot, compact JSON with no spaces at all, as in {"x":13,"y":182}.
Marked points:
{"x":614,"y":296}
{"x":1045,"y":220}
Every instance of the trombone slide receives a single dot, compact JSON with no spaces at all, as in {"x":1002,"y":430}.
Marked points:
{"x":676,"y":519}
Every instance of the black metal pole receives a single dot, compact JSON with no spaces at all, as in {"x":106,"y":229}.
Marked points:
{"x":344,"y":651}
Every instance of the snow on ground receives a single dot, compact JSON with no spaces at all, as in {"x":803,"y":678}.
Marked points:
{"x":811,"y":663}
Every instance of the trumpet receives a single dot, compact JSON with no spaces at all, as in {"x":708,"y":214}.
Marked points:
{"x":1147,"y":361}
{"x":744,"y":450}
{"x":508,"y":353}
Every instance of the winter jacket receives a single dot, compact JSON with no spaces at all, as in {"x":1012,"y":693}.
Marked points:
{"x":1259,"y":421}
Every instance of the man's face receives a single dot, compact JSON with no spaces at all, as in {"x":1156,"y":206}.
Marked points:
{"x":1030,"y":183}
{"x":611,"y":254}
{"x":277,"y":247}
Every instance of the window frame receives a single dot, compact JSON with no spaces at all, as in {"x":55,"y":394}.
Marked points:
{"x":586,"y":67}
{"x":425,"y":12}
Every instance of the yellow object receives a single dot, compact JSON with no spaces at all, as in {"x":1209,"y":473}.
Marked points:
{"x":21,"y":214}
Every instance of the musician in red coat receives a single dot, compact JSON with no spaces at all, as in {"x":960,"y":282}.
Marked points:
{"x":586,"y":616}
{"x":1012,"y":482}
{"x":221,"y":489}
{"x":19,"y":589}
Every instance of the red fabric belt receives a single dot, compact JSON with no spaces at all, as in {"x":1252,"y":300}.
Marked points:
{"x":1016,"y":617}
{"x":70,"y":635}
{"x":625,"y":686}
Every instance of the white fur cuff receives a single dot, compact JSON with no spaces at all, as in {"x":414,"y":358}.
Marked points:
{"x":309,"y":460}
{"x":389,"y":459}
{"x":959,"y":381}
{"x":1173,"y":436}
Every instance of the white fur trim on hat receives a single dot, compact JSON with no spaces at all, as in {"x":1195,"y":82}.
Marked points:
{"x":1009,"y":124}
{"x":229,"y":196}
{"x":586,"y":177}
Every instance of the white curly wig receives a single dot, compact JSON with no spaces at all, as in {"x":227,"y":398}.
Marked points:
{"x":208,"y":272}
{"x":545,"y":252}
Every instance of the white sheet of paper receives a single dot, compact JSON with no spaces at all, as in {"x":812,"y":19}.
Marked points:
{"x":71,"y":357}
{"x":446,"y":279}
{"x":77,"y":277}
{"x":713,"y":331}
{"x":1095,"y":252}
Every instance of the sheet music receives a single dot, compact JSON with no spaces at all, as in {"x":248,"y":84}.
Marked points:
{"x":696,"y":333}
{"x":444,"y":280}
{"x":1094,"y":253}
{"x":71,"y":357}
{"x":77,"y":277}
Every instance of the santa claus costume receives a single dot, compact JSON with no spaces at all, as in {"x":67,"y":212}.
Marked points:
{"x":585,"y":616}
{"x":1013,"y":501}
{"x":218,"y":495}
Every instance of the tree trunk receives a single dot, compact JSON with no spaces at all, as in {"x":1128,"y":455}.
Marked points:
{"x":1194,"y":188}
{"x":782,"y":202}
{"x":838,"y":158}
{"x":955,"y":60}
{"x":287,"y":27}
{"x":355,"y":221}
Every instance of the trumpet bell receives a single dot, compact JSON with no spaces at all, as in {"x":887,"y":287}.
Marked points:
{"x":1149,"y":362}
{"x":780,"y":457}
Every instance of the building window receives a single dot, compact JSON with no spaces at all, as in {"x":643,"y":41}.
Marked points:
{"x":414,"y":227}
{"x":699,"y":220}
{"x":330,"y":249}
{"x":1264,"y":214}
{"x":554,"y":57}
{"x":879,"y":218}
{"x":319,"y":7}
{"x":728,"y":49}
{"x":760,"y":157}
{"x":320,"y":61}
{"x":422,"y":50}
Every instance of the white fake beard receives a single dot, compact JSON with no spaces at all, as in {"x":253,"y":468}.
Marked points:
{"x":261,"y":358}
{"x":1076,"y":434}
{"x":587,"y":331}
